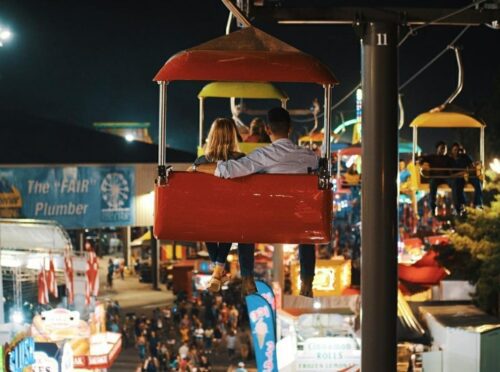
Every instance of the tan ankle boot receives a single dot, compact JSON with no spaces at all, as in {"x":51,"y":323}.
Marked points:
{"x":247,"y":286}
{"x":306,"y":287}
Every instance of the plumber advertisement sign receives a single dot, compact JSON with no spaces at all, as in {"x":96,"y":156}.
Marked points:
{"x":76,"y":197}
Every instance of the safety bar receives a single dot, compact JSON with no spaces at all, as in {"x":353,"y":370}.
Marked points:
{"x":476,"y":172}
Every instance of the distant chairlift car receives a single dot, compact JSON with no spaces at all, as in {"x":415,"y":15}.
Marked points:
{"x":447,"y":115}
{"x":247,"y":90}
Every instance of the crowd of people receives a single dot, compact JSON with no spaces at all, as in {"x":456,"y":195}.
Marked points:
{"x":187,"y":336}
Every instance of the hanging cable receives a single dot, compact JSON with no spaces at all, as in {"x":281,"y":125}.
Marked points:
{"x":341,"y":101}
{"x":414,"y":76}
{"x":458,"y":11}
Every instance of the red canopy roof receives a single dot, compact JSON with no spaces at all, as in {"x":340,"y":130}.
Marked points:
{"x":245,"y":55}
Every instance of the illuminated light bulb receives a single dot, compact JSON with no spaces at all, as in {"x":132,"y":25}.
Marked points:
{"x":17,"y":317}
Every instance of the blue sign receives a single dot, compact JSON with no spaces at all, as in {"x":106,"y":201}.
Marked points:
{"x":262,"y":326}
{"x":267,"y":292}
{"x":22,"y":355}
{"x":76,"y":197}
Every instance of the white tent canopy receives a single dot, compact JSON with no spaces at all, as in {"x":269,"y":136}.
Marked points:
{"x":25,"y":243}
{"x":33,"y":235}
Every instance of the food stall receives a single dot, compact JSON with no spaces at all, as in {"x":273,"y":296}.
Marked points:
{"x":318,"y":335}
{"x":331,"y":277}
{"x":92,"y":347}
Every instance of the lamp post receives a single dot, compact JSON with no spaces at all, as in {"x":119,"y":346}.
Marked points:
{"x":5,"y":35}
{"x":495,"y":166}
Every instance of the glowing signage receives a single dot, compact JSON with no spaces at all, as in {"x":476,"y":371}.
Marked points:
{"x":22,"y":355}
{"x":329,"y":354}
{"x":44,"y":363}
{"x":61,"y":318}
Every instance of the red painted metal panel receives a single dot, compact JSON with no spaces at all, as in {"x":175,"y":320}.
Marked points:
{"x":245,"y":66}
{"x":259,"y":208}
{"x":421,"y":275}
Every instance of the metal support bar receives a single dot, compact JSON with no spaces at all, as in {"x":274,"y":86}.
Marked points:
{"x":410,"y":16}
{"x":415,"y":144}
{"x":460,"y":79}
{"x":202,"y":119}
{"x":327,"y":124}
{"x":379,"y":198}
{"x":162,"y":124}
{"x":236,"y":13}
{"x":325,"y":162}
{"x":481,"y":147}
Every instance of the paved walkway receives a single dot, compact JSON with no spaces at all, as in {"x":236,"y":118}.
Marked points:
{"x":132,"y":295}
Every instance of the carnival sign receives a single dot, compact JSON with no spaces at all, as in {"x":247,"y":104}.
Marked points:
{"x":262,"y":325}
{"x":76,"y":197}
{"x":329,"y":354}
{"x":22,"y":355}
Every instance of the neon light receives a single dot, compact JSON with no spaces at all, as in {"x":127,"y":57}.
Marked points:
{"x":344,"y":125}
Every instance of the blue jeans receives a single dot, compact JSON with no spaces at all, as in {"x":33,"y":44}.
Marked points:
{"x":433,"y":187}
{"x":246,"y":258}
{"x":307,"y":257}
{"x":218,"y":251}
{"x":459,"y":196}
{"x":478,"y":192}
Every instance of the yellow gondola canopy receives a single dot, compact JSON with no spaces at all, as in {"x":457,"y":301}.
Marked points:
{"x":242,"y":90}
{"x":315,"y":137}
{"x":446,"y":119}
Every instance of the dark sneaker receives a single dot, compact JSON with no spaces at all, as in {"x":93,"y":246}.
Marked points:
{"x":248,"y":286}
{"x":306,"y":287}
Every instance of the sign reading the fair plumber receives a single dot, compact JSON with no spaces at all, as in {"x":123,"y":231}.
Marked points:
{"x":76,"y":197}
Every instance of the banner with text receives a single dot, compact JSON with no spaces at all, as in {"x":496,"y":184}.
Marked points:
{"x":76,"y":197}
{"x":262,"y":325}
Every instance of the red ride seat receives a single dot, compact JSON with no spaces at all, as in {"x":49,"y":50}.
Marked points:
{"x":261,"y":208}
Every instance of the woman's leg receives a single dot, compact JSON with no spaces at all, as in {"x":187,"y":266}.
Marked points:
{"x":212,"y":250}
{"x":246,"y":258}
{"x":307,"y":258}
{"x":222,"y":252}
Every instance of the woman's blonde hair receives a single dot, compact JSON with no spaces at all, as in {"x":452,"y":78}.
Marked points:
{"x":222,"y":140}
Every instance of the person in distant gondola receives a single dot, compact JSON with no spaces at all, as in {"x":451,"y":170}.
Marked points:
{"x":465,"y":165}
{"x":440,"y":166}
{"x":222,"y":145}
{"x":281,"y":156}
{"x":257,"y":132}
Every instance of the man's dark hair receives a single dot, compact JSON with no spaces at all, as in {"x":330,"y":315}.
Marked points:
{"x":457,"y":145}
{"x":278,"y":120}
{"x":440,"y":143}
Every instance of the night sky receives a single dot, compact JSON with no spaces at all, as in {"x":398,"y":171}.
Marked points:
{"x":80,"y":62}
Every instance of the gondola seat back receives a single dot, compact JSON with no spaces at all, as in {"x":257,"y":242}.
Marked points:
{"x":261,"y":208}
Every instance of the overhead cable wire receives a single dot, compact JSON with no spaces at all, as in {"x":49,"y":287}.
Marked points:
{"x":402,"y":86}
{"x":439,"y":55}
{"x":408,"y":34}
{"x":458,"y":11}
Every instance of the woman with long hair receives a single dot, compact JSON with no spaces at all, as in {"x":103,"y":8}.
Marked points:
{"x":221,"y":144}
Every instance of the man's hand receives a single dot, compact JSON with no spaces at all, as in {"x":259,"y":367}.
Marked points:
{"x":206,"y":168}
